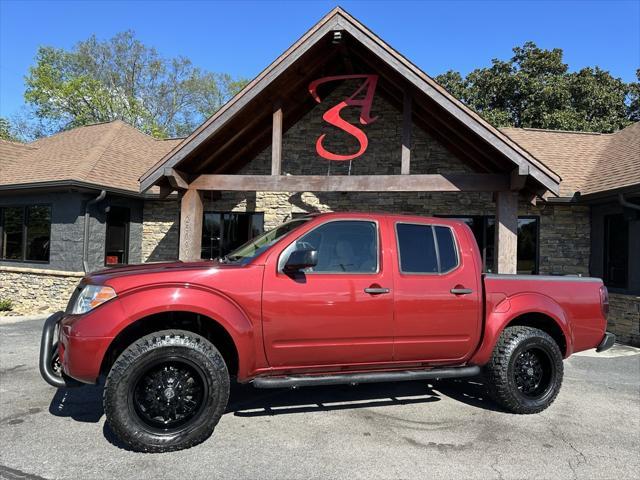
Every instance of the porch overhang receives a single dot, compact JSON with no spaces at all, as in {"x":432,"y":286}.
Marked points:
{"x":458,"y":124}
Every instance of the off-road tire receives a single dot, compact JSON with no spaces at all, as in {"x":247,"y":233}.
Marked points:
{"x":150,"y":351}
{"x":500,"y":371}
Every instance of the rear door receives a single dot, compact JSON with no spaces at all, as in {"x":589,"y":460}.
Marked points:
{"x":437,"y":292}
{"x":341,"y":311}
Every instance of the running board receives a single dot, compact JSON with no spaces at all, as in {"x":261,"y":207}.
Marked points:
{"x":296,"y":381}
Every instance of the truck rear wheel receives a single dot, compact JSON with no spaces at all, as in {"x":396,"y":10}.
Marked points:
{"x":167,"y":391}
{"x":525,"y":370}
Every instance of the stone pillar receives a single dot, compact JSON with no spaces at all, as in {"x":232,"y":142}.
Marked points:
{"x":191,"y":217}
{"x":506,"y":233}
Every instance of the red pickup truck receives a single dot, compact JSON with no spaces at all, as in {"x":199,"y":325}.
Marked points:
{"x":320,"y":300}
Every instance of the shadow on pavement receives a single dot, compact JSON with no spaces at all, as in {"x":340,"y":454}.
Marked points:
{"x":84,"y":404}
{"x":246,"y":401}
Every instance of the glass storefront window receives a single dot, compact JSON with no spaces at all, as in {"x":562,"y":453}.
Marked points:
{"x":483,"y":228}
{"x":223,"y":232}
{"x":25,"y":233}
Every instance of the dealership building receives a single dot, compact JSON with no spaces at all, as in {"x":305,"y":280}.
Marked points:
{"x":338,"y":122}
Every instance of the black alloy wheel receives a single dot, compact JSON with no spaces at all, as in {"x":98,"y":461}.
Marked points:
{"x":525,"y":371}
{"x":533,"y":371}
{"x":168,"y":394}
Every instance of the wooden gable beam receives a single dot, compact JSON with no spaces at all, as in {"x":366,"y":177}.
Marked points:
{"x":276,"y":141}
{"x":519,"y":177}
{"x":474,"y":182}
{"x":405,"y":167}
{"x":178,"y":180}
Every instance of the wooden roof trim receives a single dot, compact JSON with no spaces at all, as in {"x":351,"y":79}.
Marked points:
{"x":477,"y":124}
{"x":338,"y":19}
{"x":250,"y":91}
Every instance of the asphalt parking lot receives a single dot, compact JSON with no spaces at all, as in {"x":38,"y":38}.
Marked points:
{"x":397,"y":430}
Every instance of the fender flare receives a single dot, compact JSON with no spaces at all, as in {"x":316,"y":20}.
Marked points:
{"x":139,"y":303}
{"x":516,"y":306}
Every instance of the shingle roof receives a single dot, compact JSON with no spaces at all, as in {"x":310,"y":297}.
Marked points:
{"x":11,"y":152}
{"x":111,"y":155}
{"x":587,"y":162}
{"x":115,"y":155}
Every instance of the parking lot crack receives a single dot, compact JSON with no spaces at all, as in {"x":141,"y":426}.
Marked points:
{"x":494,"y":467}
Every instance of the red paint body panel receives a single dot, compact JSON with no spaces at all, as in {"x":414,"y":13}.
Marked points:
{"x":326,"y":322}
{"x":326,"y":319}
{"x":431,"y":324}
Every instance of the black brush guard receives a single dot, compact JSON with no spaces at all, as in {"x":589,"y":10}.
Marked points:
{"x":48,"y":354}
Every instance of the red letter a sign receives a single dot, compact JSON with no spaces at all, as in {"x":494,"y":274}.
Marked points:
{"x":332,"y":116}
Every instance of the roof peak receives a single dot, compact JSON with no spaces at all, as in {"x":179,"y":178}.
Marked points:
{"x":366,"y":43}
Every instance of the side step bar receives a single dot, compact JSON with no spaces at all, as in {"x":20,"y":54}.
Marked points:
{"x":296,"y":381}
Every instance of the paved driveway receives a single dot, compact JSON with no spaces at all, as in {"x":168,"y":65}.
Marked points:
{"x":403,"y":430}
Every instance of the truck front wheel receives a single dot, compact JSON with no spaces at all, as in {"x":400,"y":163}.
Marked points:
{"x":166,"y":391}
{"x":525,"y":370}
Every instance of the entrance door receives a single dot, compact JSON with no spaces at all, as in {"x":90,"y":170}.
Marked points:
{"x":437,"y":294}
{"x":329,"y":315}
{"x":117,"y":236}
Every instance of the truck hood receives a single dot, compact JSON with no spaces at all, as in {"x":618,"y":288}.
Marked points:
{"x":150,"y":272}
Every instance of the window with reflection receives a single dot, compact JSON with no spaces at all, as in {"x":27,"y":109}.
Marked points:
{"x":25,"y":233}
{"x":483,"y":228}
{"x":223,"y":232}
{"x":344,"y":246}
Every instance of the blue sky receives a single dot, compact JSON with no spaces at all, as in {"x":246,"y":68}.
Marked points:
{"x":242,"y":38}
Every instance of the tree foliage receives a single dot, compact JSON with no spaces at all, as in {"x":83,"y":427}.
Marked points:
{"x":121,"y":78}
{"x":6,"y":131}
{"x":535,"y":88}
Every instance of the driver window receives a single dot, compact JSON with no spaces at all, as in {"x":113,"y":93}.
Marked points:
{"x":343,"y":247}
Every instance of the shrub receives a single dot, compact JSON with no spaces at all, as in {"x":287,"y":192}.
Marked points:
{"x":5,"y":305}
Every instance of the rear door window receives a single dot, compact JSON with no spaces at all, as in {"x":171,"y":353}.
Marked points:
{"x":425,"y":249}
{"x":446,"y":249}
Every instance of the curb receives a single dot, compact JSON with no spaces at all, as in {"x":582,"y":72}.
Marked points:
{"x":5,"y":320}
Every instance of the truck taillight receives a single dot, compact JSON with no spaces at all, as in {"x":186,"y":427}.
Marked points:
{"x":604,"y":300}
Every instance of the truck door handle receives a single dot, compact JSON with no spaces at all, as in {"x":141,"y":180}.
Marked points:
{"x":461,"y":291}
{"x":376,"y":290}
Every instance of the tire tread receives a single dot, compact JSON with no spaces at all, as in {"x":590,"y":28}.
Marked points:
{"x":165,"y":338}
{"x":497,"y":370}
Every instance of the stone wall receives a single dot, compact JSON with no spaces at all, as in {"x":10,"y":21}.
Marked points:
{"x":160,"y":230}
{"x":34,"y":291}
{"x":624,"y":318}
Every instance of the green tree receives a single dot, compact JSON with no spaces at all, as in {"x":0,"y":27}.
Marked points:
{"x":121,"y":78}
{"x":535,"y":88}
{"x":6,"y":131}
{"x":634,"y":99}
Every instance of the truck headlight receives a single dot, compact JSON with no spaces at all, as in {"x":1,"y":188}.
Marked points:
{"x":92,"y":296}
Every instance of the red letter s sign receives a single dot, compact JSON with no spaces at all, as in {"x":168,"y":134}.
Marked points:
{"x":332,"y":116}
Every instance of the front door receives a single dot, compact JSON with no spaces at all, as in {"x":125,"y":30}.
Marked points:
{"x":437,"y":293}
{"x":338,"y":312}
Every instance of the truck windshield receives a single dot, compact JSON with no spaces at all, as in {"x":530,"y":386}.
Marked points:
{"x":259,"y":244}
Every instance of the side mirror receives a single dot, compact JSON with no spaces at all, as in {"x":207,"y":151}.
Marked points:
{"x":301,"y":259}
